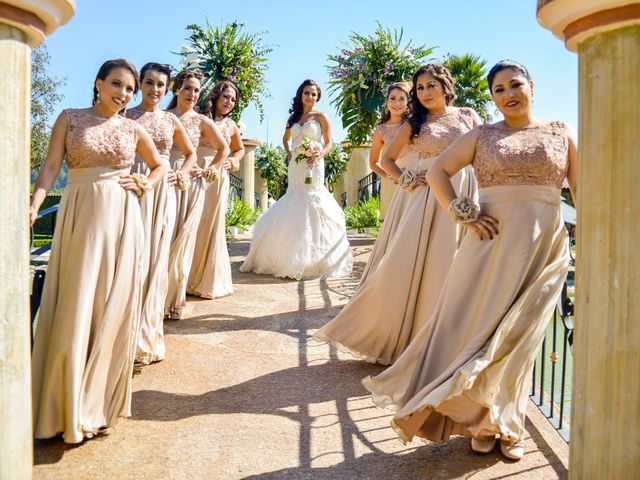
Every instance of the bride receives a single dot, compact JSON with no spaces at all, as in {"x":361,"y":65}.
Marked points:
{"x":303,"y":234}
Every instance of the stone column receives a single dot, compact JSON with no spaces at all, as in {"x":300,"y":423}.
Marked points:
{"x":605,"y":418}
{"x":357,"y":169}
{"x":23,"y":25}
{"x":247,"y":170}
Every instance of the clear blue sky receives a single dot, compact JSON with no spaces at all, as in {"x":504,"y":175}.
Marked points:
{"x":303,"y":34}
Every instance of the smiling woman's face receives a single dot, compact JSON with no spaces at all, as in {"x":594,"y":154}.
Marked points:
{"x":512,"y":92}
{"x":117,"y":89}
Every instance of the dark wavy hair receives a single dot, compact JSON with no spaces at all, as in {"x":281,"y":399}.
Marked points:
{"x":163,"y":68}
{"x":506,"y":65}
{"x":208,"y":106}
{"x":406,"y":89}
{"x":182,"y":77}
{"x":418,"y":111}
{"x":296,"y":107}
{"x":106,"y":68}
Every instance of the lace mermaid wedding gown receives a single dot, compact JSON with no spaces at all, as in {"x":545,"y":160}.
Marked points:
{"x":303,"y":235}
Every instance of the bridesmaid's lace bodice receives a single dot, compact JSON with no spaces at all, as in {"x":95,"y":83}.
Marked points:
{"x":192,"y":122}
{"x":226,"y":127}
{"x":94,"y":141}
{"x":387,"y":132}
{"x":159,"y":124}
{"x":438,"y":132}
{"x":527,"y":156}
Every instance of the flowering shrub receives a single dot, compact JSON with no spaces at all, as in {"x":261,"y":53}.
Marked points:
{"x":226,"y":53}
{"x":272,"y":165}
{"x":361,"y":73}
{"x":335,"y":163}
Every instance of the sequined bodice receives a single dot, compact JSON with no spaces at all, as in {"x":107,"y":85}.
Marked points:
{"x":94,"y":141}
{"x":529,"y":156}
{"x":438,"y":132}
{"x":226,"y":127}
{"x":387,"y":132}
{"x":159,"y":124}
{"x":192,"y":122}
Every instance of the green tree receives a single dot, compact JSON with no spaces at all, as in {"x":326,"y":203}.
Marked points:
{"x":272,"y":165}
{"x":361,"y":73}
{"x":472,"y":89}
{"x":228,"y":53}
{"x":45,"y":95}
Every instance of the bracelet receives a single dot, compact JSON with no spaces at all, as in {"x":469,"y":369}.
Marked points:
{"x":182,"y":180}
{"x":408,"y":180}
{"x":464,"y":210}
{"x":142,"y":184}
{"x":209,"y":174}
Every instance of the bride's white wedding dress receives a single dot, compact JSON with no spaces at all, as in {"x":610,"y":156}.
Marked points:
{"x":303,"y":235}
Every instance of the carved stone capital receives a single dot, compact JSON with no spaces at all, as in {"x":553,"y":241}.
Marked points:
{"x":37,"y":18}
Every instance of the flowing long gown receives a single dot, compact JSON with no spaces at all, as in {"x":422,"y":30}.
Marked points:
{"x":391,"y":305}
{"x":210,"y":275}
{"x":85,"y":338}
{"x":303,"y":235}
{"x":189,"y":205}
{"x":158,"y":209}
{"x":394,"y":213}
{"x":468,"y":371}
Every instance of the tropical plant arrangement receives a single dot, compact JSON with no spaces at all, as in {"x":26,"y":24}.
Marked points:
{"x":228,"y":53}
{"x":364,"y":215}
{"x":272,"y":166}
{"x":472,"y":89}
{"x":335,"y":163}
{"x":361,"y":73}
{"x":240,"y":215}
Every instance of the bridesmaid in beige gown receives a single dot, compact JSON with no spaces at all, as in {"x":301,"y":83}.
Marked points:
{"x":84,"y":344}
{"x":210,"y":275}
{"x":468,"y":371}
{"x":158,"y":206}
{"x":190,"y":201}
{"x":394,"y":115}
{"x":392,"y":304}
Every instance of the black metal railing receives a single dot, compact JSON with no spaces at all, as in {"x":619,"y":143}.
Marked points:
{"x":368,"y":187}
{"x":343,"y":200}
{"x":236,"y":186}
{"x":256,"y":200}
{"x":553,"y":369}
{"x":37,"y":282}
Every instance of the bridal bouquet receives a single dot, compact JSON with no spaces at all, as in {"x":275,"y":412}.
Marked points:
{"x":307,"y":149}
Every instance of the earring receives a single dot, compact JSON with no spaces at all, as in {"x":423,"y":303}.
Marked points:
{"x":98,"y":97}
{"x":496,"y":112}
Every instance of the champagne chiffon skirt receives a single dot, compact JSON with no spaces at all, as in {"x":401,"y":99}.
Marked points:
{"x":397,"y":207}
{"x":189,"y":204}
{"x":158,"y":208}
{"x":400,"y":293}
{"x":210,"y":275}
{"x":86,"y":335}
{"x":468,"y":370}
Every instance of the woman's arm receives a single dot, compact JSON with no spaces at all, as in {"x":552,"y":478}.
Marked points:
{"x":394,"y":149}
{"x":459,"y":155}
{"x":51,"y":166}
{"x":215,"y":138}
{"x":374,"y":154}
{"x":182,"y":140}
{"x":237,"y":149}
{"x":286,"y":143}
{"x":572,"y":173}
{"x":326,"y":137}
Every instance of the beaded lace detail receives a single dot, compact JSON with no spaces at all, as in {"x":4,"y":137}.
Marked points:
{"x":159,"y":124}
{"x":438,"y":132}
{"x":528,"y":156}
{"x":387,"y":132}
{"x":192,"y":122}
{"x":226,"y":127}
{"x":94,"y":141}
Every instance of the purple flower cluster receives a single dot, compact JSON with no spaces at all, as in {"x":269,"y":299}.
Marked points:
{"x":341,"y":73}
{"x":387,"y":69}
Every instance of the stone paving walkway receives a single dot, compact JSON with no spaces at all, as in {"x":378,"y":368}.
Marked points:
{"x":246,"y":394}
